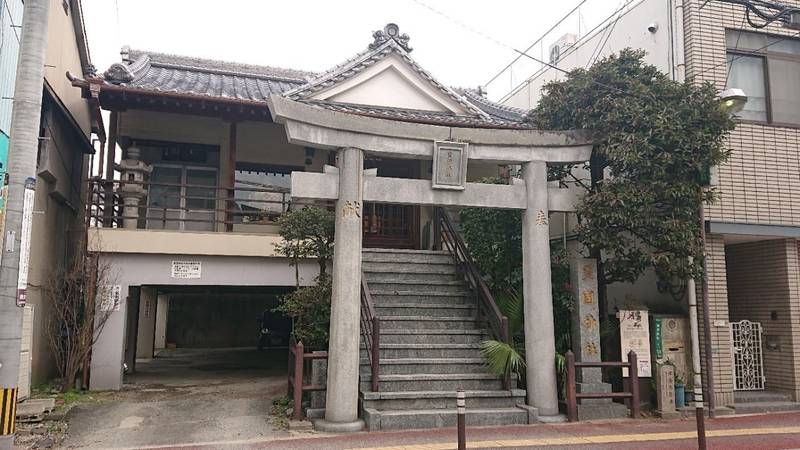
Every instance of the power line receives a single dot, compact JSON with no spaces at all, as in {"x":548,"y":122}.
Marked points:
{"x":599,"y":49}
{"x":536,"y":42}
{"x":521,"y":53}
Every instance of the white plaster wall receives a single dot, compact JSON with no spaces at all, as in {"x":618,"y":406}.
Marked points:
{"x":630,"y":31}
{"x":391,"y":82}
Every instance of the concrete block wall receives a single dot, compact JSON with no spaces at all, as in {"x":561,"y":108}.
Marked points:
{"x":720,"y":331}
{"x":763,"y":287}
{"x":759,"y":183}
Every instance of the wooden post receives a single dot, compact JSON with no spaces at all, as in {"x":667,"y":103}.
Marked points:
{"x":108,"y":191}
{"x":297,"y":395}
{"x":633,"y":371}
{"x":231,"y":204}
{"x":376,"y":352}
{"x":572,"y":403}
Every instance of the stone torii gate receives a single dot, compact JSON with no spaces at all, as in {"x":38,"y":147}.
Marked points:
{"x":450,"y":148}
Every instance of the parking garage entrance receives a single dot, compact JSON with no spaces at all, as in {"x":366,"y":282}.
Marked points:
{"x":205,"y":329}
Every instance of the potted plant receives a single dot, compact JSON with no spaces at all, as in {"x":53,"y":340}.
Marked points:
{"x":680,"y":390}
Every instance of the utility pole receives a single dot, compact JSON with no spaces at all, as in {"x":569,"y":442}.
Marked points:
{"x":25,"y":121}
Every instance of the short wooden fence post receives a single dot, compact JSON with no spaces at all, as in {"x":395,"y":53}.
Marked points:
{"x":572,"y":403}
{"x":633,"y":371}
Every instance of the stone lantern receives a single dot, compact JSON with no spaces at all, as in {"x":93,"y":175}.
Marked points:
{"x":132,"y":169}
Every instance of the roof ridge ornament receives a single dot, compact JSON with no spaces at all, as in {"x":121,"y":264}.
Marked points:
{"x":390,"y":31}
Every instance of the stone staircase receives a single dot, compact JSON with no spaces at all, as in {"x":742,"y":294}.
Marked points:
{"x":750,"y":402}
{"x":429,"y":347}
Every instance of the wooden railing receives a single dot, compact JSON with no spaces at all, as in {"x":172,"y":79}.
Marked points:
{"x":371,"y":332}
{"x":185,"y":206}
{"x":448,"y":238}
{"x":299,"y":374}
{"x":573,"y":395}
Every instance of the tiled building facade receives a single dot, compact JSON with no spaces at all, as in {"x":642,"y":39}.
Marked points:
{"x":753,"y":250}
{"x":753,"y":228}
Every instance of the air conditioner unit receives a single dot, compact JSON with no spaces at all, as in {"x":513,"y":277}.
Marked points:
{"x":560,"y":47}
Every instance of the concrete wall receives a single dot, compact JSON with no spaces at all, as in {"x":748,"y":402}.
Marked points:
{"x":720,"y":325}
{"x":629,"y":31}
{"x":63,"y":56}
{"x":162,"y":317}
{"x":136,"y":270}
{"x":763,"y":287}
{"x":57,"y":222}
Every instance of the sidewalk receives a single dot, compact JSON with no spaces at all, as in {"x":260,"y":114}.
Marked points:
{"x":765,"y":431}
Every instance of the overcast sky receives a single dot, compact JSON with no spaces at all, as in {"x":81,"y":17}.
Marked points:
{"x":317,"y":34}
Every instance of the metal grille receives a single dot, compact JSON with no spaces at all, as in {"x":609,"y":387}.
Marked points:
{"x":747,"y":360}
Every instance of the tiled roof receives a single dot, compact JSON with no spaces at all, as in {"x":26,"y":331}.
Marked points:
{"x":493,"y":108}
{"x":161,"y":72}
{"x":419,"y":116}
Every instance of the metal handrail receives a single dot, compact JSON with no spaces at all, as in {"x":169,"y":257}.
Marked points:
{"x":105,"y":206}
{"x":371,"y":332}
{"x":498,"y":323}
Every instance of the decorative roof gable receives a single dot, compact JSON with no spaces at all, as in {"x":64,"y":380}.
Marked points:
{"x":385,"y":75}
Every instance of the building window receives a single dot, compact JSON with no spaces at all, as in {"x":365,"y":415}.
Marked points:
{"x":767,"y":68}
{"x":262,"y":192}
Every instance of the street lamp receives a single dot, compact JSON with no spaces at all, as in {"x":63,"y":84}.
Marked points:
{"x":733,"y":100}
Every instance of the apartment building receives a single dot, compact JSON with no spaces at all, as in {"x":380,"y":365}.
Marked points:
{"x":753,"y":229}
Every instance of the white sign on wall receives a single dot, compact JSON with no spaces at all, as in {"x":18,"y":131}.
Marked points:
{"x":634,"y":331}
{"x":110,"y":297}
{"x":187,"y":269}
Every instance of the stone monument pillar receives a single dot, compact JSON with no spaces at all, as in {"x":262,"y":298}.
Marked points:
{"x":132,"y":169}
{"x":586,"y":337}
{"x":540,"y":346}
{"x":341,"y":400}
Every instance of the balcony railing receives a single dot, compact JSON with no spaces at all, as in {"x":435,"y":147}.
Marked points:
{"x":186,"y":207}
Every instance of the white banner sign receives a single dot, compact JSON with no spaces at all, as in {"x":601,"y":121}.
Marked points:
{"x":634,"y":331}
{"x":110,"y":297}
{"x":187,"y":269}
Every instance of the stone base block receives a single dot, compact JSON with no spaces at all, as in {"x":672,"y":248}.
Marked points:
{"x":338,"y":427}
{"x":533,"y":413}
{"x":315,"y":413}
{"x":607,"y":410}
{"x":669,"y":415}
{"x":558,"y":418}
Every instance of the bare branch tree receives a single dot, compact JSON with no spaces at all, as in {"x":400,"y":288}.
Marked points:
{"x":82,"y":297}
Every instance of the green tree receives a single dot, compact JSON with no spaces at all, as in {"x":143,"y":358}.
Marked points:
{"x":656,"y":140}
{"x":307,"y":233}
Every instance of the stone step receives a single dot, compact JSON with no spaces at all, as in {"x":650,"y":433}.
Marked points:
{"x":425,"y":323}
{"x":760,"y":396}
{"x":434,"y":382}
{"x":402,"y":255}
{"x":444,"y":268}
{"x":428,"y":350}
{"x":393,"y":401}
{"x":429,"y":309}
{"x":400,"y":336}
{"x":763,"y":407}
{"x":385,"y":297}
{"x":438,"y":418}
{"x":412,"y":277}
{"x":419,"y":287}
{"x":408,"y":366}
